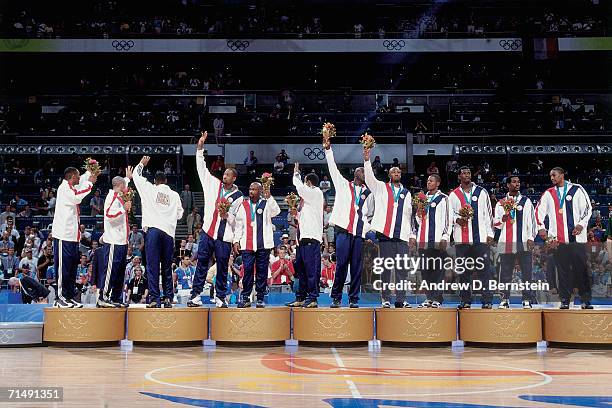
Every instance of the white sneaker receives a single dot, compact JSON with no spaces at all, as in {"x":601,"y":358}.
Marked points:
{"x":195,"y":302}
{"x":76,"y":304}
{"x":62,"y":304}
{"x":504,"y":304}
{"x":426,"y":304}
{"x":221,"y":303}
{"x":406,"y":305}
{"x":526,"y":304}
{"x":435,"y":305}
{"x":386,"y":304}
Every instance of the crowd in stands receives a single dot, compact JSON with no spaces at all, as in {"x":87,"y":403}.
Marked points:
{"x":188,"y":18}
{"x":26,"y":250}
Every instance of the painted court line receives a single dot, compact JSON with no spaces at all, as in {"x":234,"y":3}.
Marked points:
{"x":354,"y":391}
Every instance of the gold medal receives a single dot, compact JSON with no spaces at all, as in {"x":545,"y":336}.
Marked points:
{"x":560,"y":210}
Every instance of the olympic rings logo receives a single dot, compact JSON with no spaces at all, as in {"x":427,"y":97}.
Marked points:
{"x":510,"y":44}
{"x":122,"y":45}
{"x":238,"y":45}
{"x":313,"y":154}
{"x":6,"y":335}
{"x":394,"y":45}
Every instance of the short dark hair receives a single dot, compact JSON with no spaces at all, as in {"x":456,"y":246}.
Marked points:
{"x":436,"y":176}
{"x":69,"y":172}
{"x":558,"y":170}
{"x":160,"y":177}
{"x":313,"y":178}
{"x":509,"y":178}
{"x":464,"y":168}
{"x":233,"y":170}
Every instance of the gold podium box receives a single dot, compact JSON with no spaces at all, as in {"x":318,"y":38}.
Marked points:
{"x":333,"y":325}
{"x":86,"y":325}
{"x":501,"y":326}
{"x":168,"y":325}
{"x":250,"y":325}
{"x":578,"y":326}
{"x":416,"y":325}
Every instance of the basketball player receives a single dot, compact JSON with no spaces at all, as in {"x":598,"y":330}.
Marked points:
{"x":568,"y":209}
{"x":161,"y":208}
{"x":472,"y":236}
{"x":515,"y":233}
{"x":218,"y":230}
{"x":66,"y":233}
{"x":392,"y":222}
{"x":349,"y":217}
{"x":114,"y":249}
{"x":308,"y":256}
{"x":254,"y":238}
{"x":432,"y":238}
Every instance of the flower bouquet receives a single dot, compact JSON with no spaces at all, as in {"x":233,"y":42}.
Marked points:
{"x":550,"y":243}
{"x":292,"y":200}
{"x":509,"y":205}
{"x":328,"y":131}
{"x":419,"y":201}
{"x":92,"y":166}
{"x":466,"y":212}
{"x":223,"y":206}
{"x":367,"y":141}
{"x":127,"y":195}
{"x":266,"y":180}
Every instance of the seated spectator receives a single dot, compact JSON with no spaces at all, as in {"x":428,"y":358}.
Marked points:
{"x":8,"y":212}
{"x":279,"y":166}
{"x":137,"y":287}
{"x":9,"y":226}
{"x":85,"y":236}
{"x":283,"y":157}
{"x":82,"y":276}
{"x":18,"y":202}
{"x":51,"y":278}
{"x":94,"y":248}
{"x":44,"y":261}
{"x":27,"y":265}
{"x":432,"y":169}
{"x":282,"y":269}
{"x":129,"y":269}
{"x":183,"y":275}
{"x":6,"y":243}
{"x":181,"y":251}
{"x":9,"y":264}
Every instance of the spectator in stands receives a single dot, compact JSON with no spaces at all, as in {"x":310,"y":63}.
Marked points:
{"x":85,"y":236}
{"x":96,"y":204}
{"x":137,"y":287}
{"x":82,"y":275}
{"x":325,"y":186}
{"x":218,"y":125}
{"x":217,"y":167}
{"x":293,"y":224}
{"x":9,"y":226}
{"x":377,"y":166}
{"x":136,"y":241}
{"x":193,"y":219}
{"x":135,"y":263}
{"x":279,"y":166}
{"x":432,"y":169}
{"x":282,"y":269}
{"x":44,"y":261}
{"x":168,"y":167}
{"x":181,"y":251}
{"x":8,"y":212}
{"x":27,"y":265}
{"x":283,"y":157}
{"x":187,"y":200}
{"x":26,"y":212}
{"x":328,"y":271}
{"x":51,"y":277}
{"x":6,"y":243}
{"x":9,"y":264}
{"x":328,"y":230}
{"x":183,"y":275}
{"x":51,"y":204}
{"x":18,"y":202}
{"x":94,"y":248}
{"x":130,"y":254}
{"x":250,"y":161}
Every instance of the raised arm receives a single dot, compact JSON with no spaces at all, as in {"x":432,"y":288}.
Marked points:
{"x":371,"y":181}
{"x":203,"y":173}
{"x":144,"y":187}
{"x":81,"y":190}
{"x":336,"y":177}
{"x":303,"y":191}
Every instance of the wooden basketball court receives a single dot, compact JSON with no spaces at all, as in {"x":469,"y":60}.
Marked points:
{"x":280,"y":376}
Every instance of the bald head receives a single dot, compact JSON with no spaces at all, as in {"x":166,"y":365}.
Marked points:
{"x":255,"y":190}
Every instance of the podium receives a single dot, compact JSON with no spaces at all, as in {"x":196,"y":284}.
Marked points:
{"x":578,"y":326}
{"x":500,"y":326}
{"x":167,"y":325}
{"x":250,"y":324}
{"x":416,"y":325}
{"x":333,"y":325}
{"x":86,"y":325}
